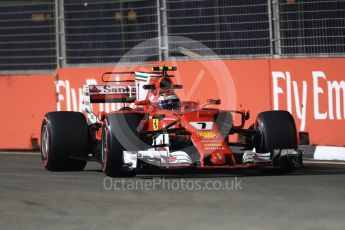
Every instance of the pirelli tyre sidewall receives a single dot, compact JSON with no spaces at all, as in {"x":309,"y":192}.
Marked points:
{"x":64,"y":137}
{"x":121,"y":132}
{"x":278,"y":131}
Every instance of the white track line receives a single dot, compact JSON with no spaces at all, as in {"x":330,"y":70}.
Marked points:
{"x":329,"y":153}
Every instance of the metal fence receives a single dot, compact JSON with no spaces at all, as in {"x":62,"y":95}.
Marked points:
{"x":45,"y":34}
{"x":237,"y":27}
{"x":104,"y":31}
{"x":310,"y":28}
{"x":27,"y":35}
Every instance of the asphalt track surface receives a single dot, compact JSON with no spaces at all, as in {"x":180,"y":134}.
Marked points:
{"x":33,"y":198}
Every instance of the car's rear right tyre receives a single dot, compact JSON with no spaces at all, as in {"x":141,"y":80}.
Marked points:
{"x":64,"y":140}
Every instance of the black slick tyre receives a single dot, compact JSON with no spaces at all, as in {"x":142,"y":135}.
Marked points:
{"x":277,"y":131}
{"x":64,"y":141}
{"x":121,"y":132}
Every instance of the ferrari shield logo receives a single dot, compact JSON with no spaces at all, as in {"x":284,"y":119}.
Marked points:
{"x":155,"y":124}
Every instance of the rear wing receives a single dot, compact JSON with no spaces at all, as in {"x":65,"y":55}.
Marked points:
{"x":121,"y":93}
{"x":105,"y":94}
{"x":110,"y":93}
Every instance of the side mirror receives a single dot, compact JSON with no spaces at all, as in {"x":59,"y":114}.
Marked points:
{"x":177,"y":86}
{"x":101,"y":116}
{"x":144,"y":102}
{"x":213,"y":101}
{"x":247,"y":115}
{"x":149,"y":86}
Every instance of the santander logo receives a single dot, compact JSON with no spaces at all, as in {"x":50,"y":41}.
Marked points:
{"x":71,"y":99}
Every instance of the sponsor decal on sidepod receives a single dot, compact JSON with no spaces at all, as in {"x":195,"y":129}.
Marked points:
{"x":207,"y":135}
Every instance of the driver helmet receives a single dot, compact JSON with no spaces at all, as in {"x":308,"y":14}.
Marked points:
{"x":168,"y":102}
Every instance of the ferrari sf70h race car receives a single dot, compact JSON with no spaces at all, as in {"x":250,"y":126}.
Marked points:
{"x":154,"y":129}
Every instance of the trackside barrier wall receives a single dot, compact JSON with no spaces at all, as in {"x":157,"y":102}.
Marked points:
{"x":24,"y":99}
{"x":313,"y":90}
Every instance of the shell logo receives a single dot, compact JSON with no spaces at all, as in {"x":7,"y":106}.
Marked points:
{"x":207,"y":134}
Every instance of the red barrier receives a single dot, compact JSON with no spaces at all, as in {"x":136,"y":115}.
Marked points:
{"x":313,"y":90}
{"x":24,"y":101}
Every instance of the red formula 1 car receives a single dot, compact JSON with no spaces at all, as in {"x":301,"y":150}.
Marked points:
{"x":160,"y":131}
